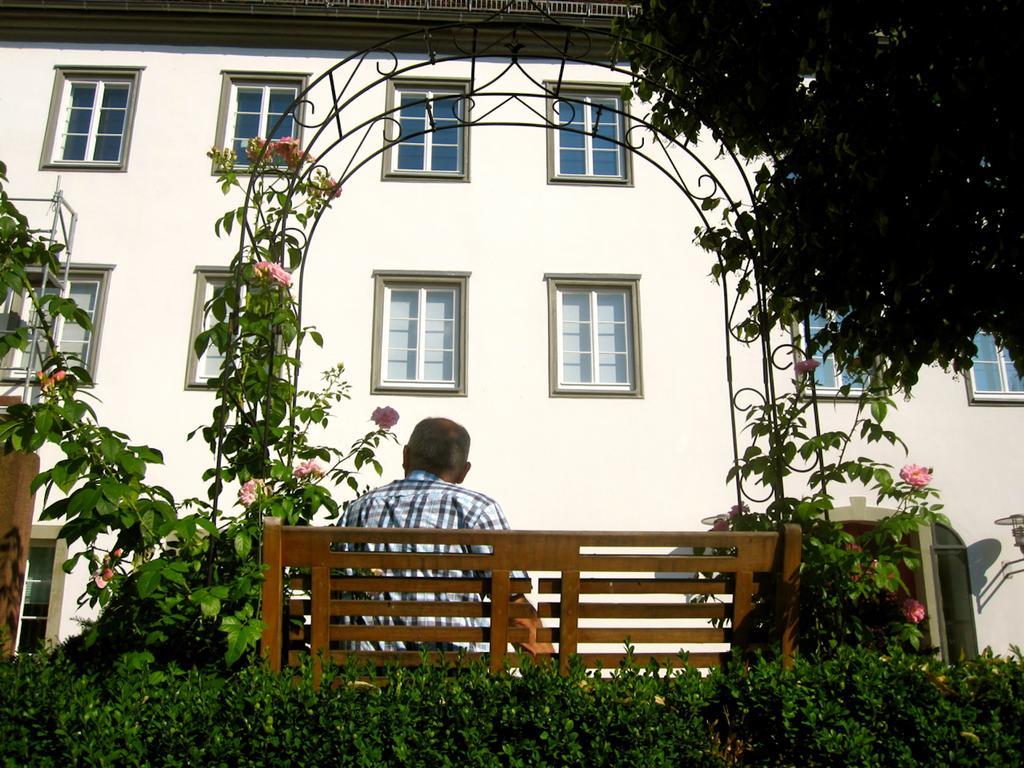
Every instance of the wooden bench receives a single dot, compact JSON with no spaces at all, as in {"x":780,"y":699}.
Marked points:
{"x":707,"y":593}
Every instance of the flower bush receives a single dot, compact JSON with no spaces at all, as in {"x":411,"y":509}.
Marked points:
{"x":851,"y":590}
{"x":182,"y":578}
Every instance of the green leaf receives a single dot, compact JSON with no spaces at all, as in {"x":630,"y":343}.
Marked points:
{"x":149,"y":578}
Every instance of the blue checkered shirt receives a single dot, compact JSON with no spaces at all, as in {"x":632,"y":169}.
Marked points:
{"x":423,"y":500}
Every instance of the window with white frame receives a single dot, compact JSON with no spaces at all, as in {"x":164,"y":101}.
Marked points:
{"x":828,"y":378}
{"x":258,"y":106}
{"x":90,"y":118}
{"x":202,"y":368}
{"x":88,"y":288}
{"x":427,"y":130}
{"x":595,"y":341}
{"x":43,"y":591}
{"x":588,"y":143}
{"x":993,"y":374}
{"x":420,"y":332}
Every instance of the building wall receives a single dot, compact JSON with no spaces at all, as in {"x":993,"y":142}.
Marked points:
{"x":655,"y":462}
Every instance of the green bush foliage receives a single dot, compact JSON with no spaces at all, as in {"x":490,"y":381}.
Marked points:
{"x":853,"y":709}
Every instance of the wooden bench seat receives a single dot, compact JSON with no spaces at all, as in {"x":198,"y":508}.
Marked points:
{"x":706,"y":593}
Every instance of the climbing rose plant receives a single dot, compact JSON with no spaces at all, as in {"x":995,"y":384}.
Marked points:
{"x":852,"y":591}
{"x":181,"y":579}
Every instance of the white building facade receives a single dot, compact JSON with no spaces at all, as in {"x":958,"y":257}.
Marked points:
{"x":541,"y":287}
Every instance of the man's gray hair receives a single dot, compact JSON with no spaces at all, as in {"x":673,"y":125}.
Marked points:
{"x":438,"y":445}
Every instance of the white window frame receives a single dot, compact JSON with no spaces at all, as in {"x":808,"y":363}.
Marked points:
{"x":595,"y":285}
{"x":839,"y":377}
{"x":581,"y":96}
{"x":208,"y":279}
{"x":266,"y":81}
{"x":384,"y":284}
{"x":46,"y":535}
{"x":16,"y":365}
{"x":1004,"y":395}
{"x":432,"y":91}
{"x":60,"y":116}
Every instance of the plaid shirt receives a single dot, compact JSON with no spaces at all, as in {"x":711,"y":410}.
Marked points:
{"x":422,"y":500}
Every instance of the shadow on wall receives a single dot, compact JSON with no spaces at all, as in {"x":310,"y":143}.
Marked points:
{"x":981,"y":557}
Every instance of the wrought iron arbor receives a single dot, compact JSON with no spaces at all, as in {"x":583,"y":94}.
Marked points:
{"x":514,"y":70}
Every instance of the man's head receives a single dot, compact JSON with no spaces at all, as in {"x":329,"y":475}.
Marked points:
{"x":439,"y":446}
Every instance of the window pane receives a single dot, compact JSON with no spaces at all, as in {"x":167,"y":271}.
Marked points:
{"x":38,"y":586}
{"x":986,"y":377}
{"x":402,"y":335}
{"x":115,"y":96}
{"x":247,"y":126}
{"x":404,"y":304}
{"x":575,"y":307}
{"x":613,"y":369}
{"x":957,"y":603}
{"x":1013,"y":382}
{"x":576,"y":368}
{"x":570,"y":113}
{"x":438,"y":366}
{"x":825,"y":374}
{"x":79,"y":120}
{"x":611,"y":338}
{"x":439,"y":334}
{"x":108,"y":149}
{"x":440,"y":305}
{"x":402,"y":365}
{"x":83,"y":95}
{"x":410,"y":157}
{"x":572,"y":162}
{"x":611,"y":307}
{"x":249,"y":100}
{"x":445,"y":158}
{"x":74,"y":148}
{"x":986,"y":347}
{"x":606,"y":164}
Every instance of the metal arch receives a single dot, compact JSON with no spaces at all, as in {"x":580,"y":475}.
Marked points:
{"x":523,"y":44}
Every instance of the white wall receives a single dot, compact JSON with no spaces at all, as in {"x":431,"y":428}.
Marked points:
{"x":653,"y":463}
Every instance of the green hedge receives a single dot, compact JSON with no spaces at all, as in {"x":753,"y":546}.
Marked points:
{"x":857,"y":709}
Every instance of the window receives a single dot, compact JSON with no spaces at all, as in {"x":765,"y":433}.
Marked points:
{"x":210,"y":282}
{"x":420,"y":332}
{"x":827,"y":378}
{"x":258,"y":105}
{"x":595,"y":340}
{"x":588,"y":143}
{"x":993,"y":375}
{"x":88,"y":287}
{"x":90,"y":121}
{"x":956,"y":603}
{"x":44,"y":589}
{"x":426,"y":133}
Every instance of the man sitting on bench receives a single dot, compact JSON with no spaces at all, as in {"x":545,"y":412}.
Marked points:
{"x":436,"y":461}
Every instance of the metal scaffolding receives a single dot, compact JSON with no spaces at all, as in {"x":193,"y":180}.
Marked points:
{"x":60,"y":228}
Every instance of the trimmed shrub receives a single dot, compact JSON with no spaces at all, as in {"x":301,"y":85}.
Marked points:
{"x":856,"y":709}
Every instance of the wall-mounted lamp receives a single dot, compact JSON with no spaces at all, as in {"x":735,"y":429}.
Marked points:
{"x":1016,"y":523}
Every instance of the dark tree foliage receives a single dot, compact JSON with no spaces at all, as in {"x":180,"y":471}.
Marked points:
{"x":892,"y":192}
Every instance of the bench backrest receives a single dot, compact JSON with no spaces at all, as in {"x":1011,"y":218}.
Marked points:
{"x":328,"y":593}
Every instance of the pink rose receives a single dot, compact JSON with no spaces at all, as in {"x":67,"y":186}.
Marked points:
{"x":309,"y":468}
{"x":251,"y":491}
{"x":47,"y":383}
{"x":915,"y":476}
{"x":385,"y":417}
{"x":275,"y":273}
{"x":738,"y":509}
{"x":802,"y":367}
{"x":254,"y":148}
{"x":99,"y":581}
{"x":913,"y":611}
{"x":107,"y":574}
{"x":117,"y":552}
{"x":721,"y":524}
